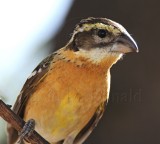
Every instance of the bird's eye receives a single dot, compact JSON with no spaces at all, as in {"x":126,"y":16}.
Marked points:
{"x":102,"y":33}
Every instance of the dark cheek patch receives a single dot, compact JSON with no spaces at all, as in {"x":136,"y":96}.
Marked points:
{"x":89,"y":39}
{"x":102,"y":44}
{"x":84,"y":40}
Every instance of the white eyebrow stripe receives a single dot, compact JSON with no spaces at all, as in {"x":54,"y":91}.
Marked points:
{"x":87,"y":27}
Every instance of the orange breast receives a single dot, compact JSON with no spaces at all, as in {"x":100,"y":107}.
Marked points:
{"x":67,"y":99}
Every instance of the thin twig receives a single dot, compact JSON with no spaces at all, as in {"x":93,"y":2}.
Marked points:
{"x":8,"y":115}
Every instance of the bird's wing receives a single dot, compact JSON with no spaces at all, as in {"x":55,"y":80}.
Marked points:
{"x":34,"y":79}
{"x":86,"y":131}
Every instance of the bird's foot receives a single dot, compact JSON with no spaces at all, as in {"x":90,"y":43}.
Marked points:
{"x":27,"y":130}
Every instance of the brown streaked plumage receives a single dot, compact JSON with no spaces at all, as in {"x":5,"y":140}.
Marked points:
{"x":67,"y":92}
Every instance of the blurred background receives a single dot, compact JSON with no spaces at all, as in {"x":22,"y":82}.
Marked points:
{"x":30,"y":30}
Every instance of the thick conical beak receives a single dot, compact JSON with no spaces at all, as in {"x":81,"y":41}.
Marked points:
{"x":124,"y":44}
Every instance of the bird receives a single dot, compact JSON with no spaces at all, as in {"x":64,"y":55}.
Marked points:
{"x":66,"y":94}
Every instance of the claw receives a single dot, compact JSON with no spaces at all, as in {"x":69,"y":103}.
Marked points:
{"x":9,"y":105}
{"x":27,"y":130}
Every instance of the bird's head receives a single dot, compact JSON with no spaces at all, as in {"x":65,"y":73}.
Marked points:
{"x":101,"y":39}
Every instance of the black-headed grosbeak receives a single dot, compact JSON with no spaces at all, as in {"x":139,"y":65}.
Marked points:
{"x":67,"y":92}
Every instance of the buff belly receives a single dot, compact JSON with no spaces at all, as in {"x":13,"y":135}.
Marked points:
{"x":56,"y":122}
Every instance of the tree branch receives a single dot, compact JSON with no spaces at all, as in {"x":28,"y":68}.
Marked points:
{"x":8,"y":115}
